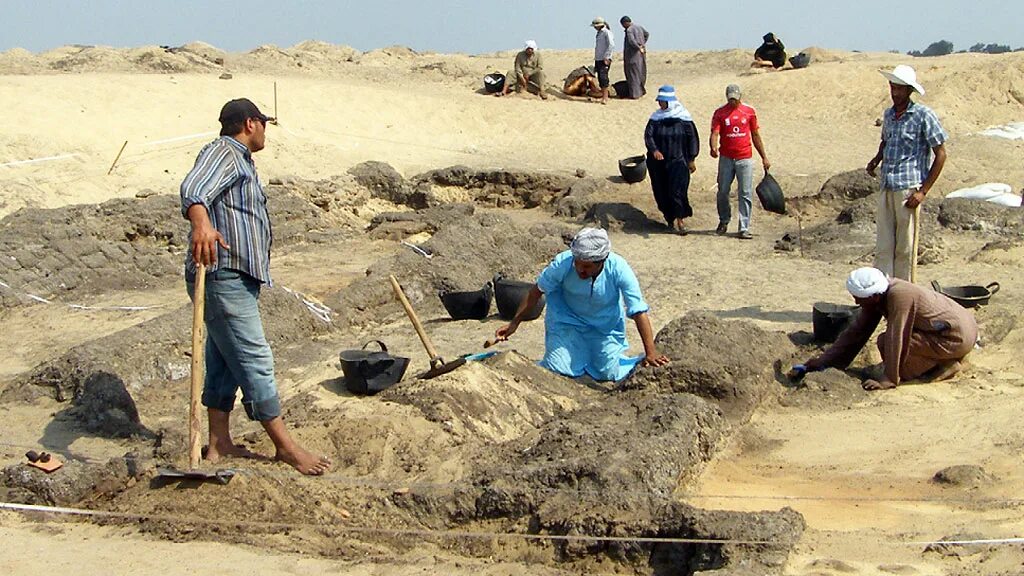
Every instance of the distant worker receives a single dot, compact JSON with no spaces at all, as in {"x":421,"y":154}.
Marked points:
{"x":770,"y":54}
{"x":604,"y":44}
{"x":582,"y":82}
{"x":584,"y":323}
{"x":528,"y":73}
{"x":735,"y":125}
{"x":672,"y":146}
{"x":634,"y":58}
{"x":926,"y":332}
{"x":912,"y":154}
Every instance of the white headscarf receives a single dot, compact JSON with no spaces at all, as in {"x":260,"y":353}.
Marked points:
{"x":591,"y":245}
{"x":675,"y":110}
{"x":867,"y":282}
{"x":531,"y":44}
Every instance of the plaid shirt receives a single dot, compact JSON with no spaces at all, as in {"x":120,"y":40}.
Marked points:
{"x":224,"y":180}
{"x":906,"y":157}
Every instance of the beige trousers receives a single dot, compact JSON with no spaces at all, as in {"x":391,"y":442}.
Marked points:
{"x":895,"y":253}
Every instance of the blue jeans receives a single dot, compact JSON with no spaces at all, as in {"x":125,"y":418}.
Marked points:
{"x":237,"y":352}
{"x":743,"y":172}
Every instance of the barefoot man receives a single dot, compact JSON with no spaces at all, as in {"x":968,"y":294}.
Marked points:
{"x":926,"y":332}
{"x":224,"y":201}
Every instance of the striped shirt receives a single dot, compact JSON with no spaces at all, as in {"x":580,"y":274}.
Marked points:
{"x":224,"y":180}
{"x":906,"y":157}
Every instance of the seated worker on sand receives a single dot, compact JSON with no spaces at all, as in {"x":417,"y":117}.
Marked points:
{"x":528,"y":73}
{"x":584,"y":323}
{"x":582,"y":82}
{"x":925,"y":330}
{"x":771,"y":53}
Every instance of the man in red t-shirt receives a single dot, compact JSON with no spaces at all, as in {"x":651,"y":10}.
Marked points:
{"x":735,"y":126}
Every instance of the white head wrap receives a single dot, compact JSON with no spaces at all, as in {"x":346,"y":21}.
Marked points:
{"x":591,"y":245}
{"x":867,"y":282}
{"x":531,"y":44}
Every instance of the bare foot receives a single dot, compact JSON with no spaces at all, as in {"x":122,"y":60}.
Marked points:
{"x":228,"y":450}
{"x":305,"y":462}
{"x":681,"y":227}
{"x":946,"y":370}
{"x":543,"y":96}
{"x":871,"y":385}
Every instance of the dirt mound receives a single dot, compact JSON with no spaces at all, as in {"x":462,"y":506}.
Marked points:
{"x":502,"y":188}
{"x":523,"y":451}
{"x":977,"y":215}
{"x":465,"y":253}
{"x":389,"y":56}
{"x":728,"y":363}
{"x":19,"y":61}
{"x":385,"y":183}
{"x":123,"y":244}
{"x":77,"y":481}
{"x":821,"y":55}
{"x":150,"y":356}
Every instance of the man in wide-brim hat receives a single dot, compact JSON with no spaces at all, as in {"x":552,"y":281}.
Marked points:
{"x":911,"y":154}
{"x":604,"y":44}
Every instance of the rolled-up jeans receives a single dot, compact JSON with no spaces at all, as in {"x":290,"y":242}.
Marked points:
{"x":743,"y":172}
{"x":238,"y":355}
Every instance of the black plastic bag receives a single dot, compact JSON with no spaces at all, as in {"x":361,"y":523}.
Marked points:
{"x":770,"y":194}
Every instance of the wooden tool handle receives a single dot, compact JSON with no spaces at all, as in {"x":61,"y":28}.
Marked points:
{"x":415,"y":321}
{"x":195,"y":436}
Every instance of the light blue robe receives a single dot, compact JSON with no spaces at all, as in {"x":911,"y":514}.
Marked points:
{"x":585,"y":323}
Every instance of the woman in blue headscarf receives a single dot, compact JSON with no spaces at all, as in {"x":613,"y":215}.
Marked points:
{"x":672,"y":145}
{"x":590,"y":290}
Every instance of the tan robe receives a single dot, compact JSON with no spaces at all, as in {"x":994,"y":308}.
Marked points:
{"x":923,"y":329}
{"x":529,"y":68}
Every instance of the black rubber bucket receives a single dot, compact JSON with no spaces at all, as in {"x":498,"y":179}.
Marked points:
{"x":369,"y":372}
{"x":494,"y":83}
{"x":472,"y":305}
{"x":509,"y":294}
{"x":633,"y":169}
{"x":831,"y":319}
{"x":968,"y":296}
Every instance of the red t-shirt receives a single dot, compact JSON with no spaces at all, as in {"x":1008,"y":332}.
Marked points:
{"x":734,"y":126}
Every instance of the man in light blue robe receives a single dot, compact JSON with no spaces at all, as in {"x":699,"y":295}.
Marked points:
{"x":590,"y":291}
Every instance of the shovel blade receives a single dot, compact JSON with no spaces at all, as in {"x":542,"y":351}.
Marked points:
{"x":218,"y":476}
{"x":442,"y":369}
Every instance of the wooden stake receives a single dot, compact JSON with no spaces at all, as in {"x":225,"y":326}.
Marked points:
{"x":121,"y":151}
{"x":917,"y":232}
{"x":195,"y":425}
{"x":800,"y":234}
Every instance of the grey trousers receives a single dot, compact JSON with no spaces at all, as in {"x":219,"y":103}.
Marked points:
{"x":743,"y":172}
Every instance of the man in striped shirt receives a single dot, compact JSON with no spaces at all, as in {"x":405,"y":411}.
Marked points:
{"x":223,"y":200}
{"x":911,"y":137}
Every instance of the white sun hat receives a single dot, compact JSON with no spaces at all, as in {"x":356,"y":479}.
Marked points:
{"x":905,"y":76}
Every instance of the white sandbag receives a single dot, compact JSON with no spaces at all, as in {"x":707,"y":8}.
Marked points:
{"x":1011,"y":131}
{"x":995,"y":192}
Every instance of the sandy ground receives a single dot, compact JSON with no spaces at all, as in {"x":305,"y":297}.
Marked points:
{"x":858,"y":473}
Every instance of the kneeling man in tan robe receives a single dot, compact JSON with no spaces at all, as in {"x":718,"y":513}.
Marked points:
{"x":925,"y":330}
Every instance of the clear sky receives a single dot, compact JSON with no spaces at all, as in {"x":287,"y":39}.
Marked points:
{"x":479,"y":26}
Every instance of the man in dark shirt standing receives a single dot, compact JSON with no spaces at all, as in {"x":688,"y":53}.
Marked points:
{"x":224,"y":201}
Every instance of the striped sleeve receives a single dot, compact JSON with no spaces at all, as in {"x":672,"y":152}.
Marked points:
{"x":215,"y":170}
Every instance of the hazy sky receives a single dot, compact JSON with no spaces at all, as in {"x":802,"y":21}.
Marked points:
{"x":478,"y":26}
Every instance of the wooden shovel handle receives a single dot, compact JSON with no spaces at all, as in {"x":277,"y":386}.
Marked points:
{"x":195,"y":436}
{"x":415,"y":321}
